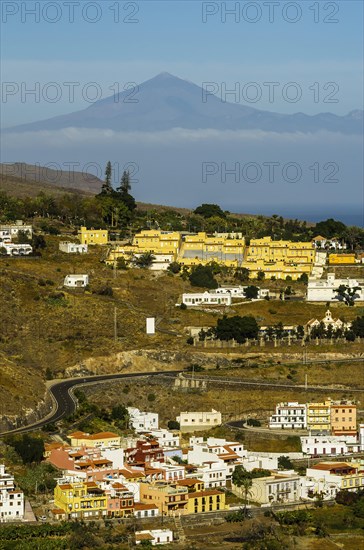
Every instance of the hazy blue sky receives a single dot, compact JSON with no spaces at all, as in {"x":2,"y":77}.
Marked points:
{"x":133,"y":41}
{"x":102,"y":46}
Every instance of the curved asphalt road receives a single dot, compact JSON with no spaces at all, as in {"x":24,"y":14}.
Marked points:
{"x":64,"y":402}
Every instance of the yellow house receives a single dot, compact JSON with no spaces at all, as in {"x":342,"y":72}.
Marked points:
{"x":343,"y":418}
{"x":80,"y":500}
{"x":209,"y":500}
{"x":93,"y":236}
{"x":82,"y":439}
{"x":168,"y":497}
{"x":341,"y":259}
{"x":319,"y":416}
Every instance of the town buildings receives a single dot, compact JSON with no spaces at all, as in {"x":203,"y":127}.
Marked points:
{"x":330,"y":477}
{"x":101,"y":439}
{"x":13,"y":230}
{"x":194,"y":421}
{"x":329,"y":417}
{"x":93,"y":236}
{"x":154,"y":536}
{"x":206,"y":500}
{"x":329,"y":445}
{"x":164,"y":245}
{"x":278,"y":259}
{"x":319,"y":417}
{"x":11,"y":498}
{"x":281,"y":487}
{"x":73,"y":248}
{"x":343,"y":418}
{"x":220,"y":296}
{"x":142,"y":421}
{"x":80,"y":500}
{"x":342,"y":259}
{"x":322,"y":290}
{"x":291,"y":415}
{"x":328,"y":323}
{"x":168,"y":497}
{"x":76,"y":281}
{"x":207,"y":298}
{"x":15,"y":249}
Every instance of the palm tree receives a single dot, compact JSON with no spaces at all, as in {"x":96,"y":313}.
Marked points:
{"x":144,"y":260}
{"x":243,"y":479}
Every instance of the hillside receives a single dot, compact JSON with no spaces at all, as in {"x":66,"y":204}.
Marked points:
{"x":35,"y":178}
{"x":46,"y":330}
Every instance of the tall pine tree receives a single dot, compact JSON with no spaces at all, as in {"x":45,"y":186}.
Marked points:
{"x":106,"y":188}
{"x":125,"y":186}
{"x":124,"y":191}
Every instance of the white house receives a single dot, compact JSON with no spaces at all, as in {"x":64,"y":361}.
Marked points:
{"x":283,"y":487}
{"x":142,"y":510}
{"x":226,"y":454}
{"x":239,"y":291}
{"x":207,"y":298}
{"x":5,"y":236}
{"x":329,"y":445}
{"x":213,"y":474}
{"x":154,"y":536}
{"x":142,"y":421}
{"x":291,"y":415}
{"x":13,"y":249}
{"x":324,"y":290}
{"x":13,"y":229}
{"x":193,"y":421}
{"x":76,"y":281}
{"x":11,"y":499}
{"x":73,"y":248}
{"x":166,"y":439}
{"x":322,"y":242}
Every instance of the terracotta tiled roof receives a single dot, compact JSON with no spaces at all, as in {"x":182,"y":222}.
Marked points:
{"x":189,"y":482}
{"x":131,"y":473}
{"x":327,"y":466}
{"x":142,"y":506}
{"x":57,"y":511}
{"x":65,"y":486}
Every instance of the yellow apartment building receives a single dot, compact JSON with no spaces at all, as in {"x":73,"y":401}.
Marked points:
{"x":279,"y":259}
{"x":209,"y":500}
{"x":81,"y":500}
{"x":278,"y":269}
{"x":203,"y":249}
{"x":164,"y":244}
{"x":287,"y":251}
{"x":319,"y":416}
{"x":168,"y":497}
{"x":82,"y":439}
{"x":93,"y":236}
{"x":343,"y":418}
{"x":341,"y":259}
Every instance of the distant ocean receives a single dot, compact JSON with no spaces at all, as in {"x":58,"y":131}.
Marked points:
{"x":353,"y":215}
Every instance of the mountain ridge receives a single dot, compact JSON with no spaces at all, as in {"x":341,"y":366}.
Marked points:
{"x":165,"y":102}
